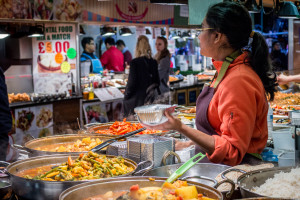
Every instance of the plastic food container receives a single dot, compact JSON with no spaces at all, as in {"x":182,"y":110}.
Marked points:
{"x":286,"y":159}
{"x":283,"y":139}
{"x":153,"y":114}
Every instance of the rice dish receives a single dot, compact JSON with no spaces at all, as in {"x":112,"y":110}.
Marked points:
{"x":282,"y":185}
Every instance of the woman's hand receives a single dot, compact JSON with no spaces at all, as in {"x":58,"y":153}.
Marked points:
{"x":172,"y":123}
{"x":179,"y":145}
{"x":283,"y":79}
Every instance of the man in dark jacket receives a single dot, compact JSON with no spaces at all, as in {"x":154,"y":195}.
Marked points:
{"x":126,"y":53}
{"x":5,"y":117}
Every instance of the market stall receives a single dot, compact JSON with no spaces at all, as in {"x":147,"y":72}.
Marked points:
{"x":63,"y":110}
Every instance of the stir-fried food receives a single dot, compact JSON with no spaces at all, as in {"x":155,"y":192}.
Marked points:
{"x":86,"y":167}
{"x":179,"y":190}
{"x":121,"y":128}
{"x":86,"y":144}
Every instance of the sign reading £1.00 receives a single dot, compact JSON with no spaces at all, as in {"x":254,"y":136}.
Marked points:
{"x":49,"y":53}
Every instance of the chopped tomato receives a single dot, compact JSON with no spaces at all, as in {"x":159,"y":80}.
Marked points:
{"x":134,"y":187}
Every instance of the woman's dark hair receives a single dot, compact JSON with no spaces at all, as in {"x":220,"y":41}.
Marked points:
{"x":233,"y":20}
{"x":165,"y":52}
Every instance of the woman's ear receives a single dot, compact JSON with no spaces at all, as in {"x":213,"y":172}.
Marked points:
{"x":218,"y":37}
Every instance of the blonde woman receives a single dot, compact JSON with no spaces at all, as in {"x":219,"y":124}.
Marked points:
{"x":143,"y":81}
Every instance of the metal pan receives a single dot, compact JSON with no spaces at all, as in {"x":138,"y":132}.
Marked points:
{"x":87,"y":190}
{"x":31,"y":146}
{"x":30,"y":189}
{"x":256,"y":178}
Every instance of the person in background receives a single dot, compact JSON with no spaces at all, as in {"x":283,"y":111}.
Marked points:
{"x":231,"y":113}
{"x":283,"y":79}
{"x":5,"y":117}
{"x":143,"y":81}
{"x":279,"y":59}
{"x":163,"y":58}
{"x":126,"y":53}
{"x":112,"y":58}
{"x":88,"y":45}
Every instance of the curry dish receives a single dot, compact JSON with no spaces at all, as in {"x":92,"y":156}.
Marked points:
{"x":86,"y":167}
{"x":179,"y":190}
{"x":86,"y":144}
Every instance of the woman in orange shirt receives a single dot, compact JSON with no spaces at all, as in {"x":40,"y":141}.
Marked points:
{"x":231,"y":113}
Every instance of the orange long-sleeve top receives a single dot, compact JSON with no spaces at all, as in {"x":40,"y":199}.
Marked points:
{"x":238,"y":113}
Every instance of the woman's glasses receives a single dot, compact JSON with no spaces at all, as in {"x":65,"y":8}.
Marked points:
{"x":200,"y":30}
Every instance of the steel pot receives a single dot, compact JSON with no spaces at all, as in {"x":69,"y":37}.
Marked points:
{"x":204,"y":173}
{"x":210,"y":170}
{"x":31,"y":146}
{"x":82,"y":191}
{"x":5,"y":186}
{"x":256,"y":178}
{"x":30,"y":189}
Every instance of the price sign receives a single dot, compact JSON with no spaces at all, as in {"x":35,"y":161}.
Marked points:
{"x":52,"y":58}
{"x":65,"y":67}
{"x":59,"y":58}
{"x":48,"y":47}
{"x":58,"y":47}
{"x":71,"y":53}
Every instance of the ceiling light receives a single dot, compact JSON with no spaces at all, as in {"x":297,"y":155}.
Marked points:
{"x":3,"y":33}
{"x":107,"y":31}
{"x":287,"y":10}
{"x":81,"y":30}
{"x":36,"y":31}
{"x":252,"y":6}
{"x":125,"y":32}
{"x":148,"y":32}
{"x":162,"y":31}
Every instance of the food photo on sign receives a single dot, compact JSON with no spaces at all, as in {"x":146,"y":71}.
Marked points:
{"x":33,"y":122}
{"x":43,"y":9}
{"x":68,"y":10}
{"x":95,"y":112}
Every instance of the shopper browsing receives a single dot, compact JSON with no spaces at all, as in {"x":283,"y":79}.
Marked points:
{"x":231,"y":113}
{"x":143,"y":81}
{"x":5,"y":117}
{"x":163,"y":58}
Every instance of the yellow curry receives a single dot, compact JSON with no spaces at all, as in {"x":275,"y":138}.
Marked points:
{"x":179,"y":190}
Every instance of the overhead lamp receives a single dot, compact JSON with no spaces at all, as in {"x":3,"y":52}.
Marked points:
{"x":186,"y":35}
{"x":287,"y":10}
{"x":36,"y":31}
{"x":3,"y":33}
{"x":81,"y":30}
{"x":148,"y":32}
{"x":125,"y":32}
{"x":107,"y":31}
{"x":162,"y":31}
{"x":252,"y":6}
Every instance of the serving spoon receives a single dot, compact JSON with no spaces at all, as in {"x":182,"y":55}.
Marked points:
{"x":186,"y":166}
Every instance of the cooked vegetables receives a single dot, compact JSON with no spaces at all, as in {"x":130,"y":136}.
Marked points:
{"x":85,"y":144}
{"x":179,"y":190}
{"x":121,"y":128}
{"x":86,"y":167}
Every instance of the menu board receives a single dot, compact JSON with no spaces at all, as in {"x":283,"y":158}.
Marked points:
{"x":33,"y":122}
{"x":54,"y":59}
{"x":109,"y":93}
